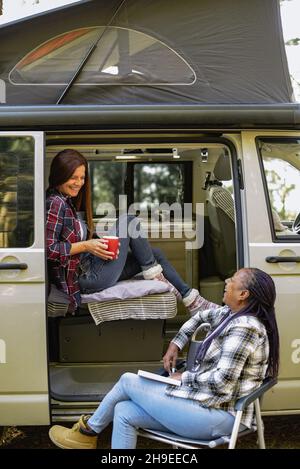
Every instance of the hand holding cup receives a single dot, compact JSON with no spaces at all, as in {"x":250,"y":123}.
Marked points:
{"x":112,"y":245}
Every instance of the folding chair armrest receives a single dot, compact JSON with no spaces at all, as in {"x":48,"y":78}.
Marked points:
{"x":243,"y":402}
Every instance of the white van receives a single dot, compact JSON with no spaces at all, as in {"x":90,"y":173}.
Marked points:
{"x":241,"y":161}
{"x":259,"y":171}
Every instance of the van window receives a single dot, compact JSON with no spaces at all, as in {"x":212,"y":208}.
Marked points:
{"x":16,"y":192}
{"x":108,"y":182}
{"x":122,"y":56}
{"x":156,"y":183}
{"x":146,"y":184}
{"x":281,"y":166}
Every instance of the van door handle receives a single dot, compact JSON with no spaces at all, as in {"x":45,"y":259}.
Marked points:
{"x":11,"y":266}
{"x":276,"y":259}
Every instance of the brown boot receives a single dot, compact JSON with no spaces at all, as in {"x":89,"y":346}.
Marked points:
{"x":73,"y":438}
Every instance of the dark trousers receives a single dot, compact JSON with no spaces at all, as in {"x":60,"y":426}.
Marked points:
{"x":135,"y":255}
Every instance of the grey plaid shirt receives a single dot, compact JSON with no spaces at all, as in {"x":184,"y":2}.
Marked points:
{"x":234,"y":365}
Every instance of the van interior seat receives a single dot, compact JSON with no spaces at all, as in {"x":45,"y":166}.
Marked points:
{"x":137,"y":324}
{"x":220,"y":209}
{"x":134,"y":298}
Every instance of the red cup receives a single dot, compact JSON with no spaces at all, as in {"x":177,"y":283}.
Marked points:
{"x":112,"y":244}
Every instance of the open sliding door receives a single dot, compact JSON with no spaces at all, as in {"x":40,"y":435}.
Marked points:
{"x":24,"y":396}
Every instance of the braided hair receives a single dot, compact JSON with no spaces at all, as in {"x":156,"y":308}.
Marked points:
{"x":261,"y":302}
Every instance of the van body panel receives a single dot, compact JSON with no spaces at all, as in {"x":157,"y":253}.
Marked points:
{"x":23,"y":363}
{"x":283,"y":398}
{"x":33,"y":257}
{"x":286,"y":395}
{"x":236,"y":140}
{"x":23,"y":409}
{"x":24,"y":333}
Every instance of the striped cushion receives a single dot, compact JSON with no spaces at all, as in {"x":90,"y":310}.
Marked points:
{"x":158,"y":306}
{"x":55,"y":310}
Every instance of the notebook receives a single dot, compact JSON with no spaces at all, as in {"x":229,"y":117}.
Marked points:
{"x":162,"y":379}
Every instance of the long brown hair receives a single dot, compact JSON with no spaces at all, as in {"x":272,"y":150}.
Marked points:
{"x":62,"y":167}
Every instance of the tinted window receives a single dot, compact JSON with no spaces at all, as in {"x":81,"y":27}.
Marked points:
{"x":281,"y":164}
{"x":108,"y":181}
{"x":155,"y":183}
{"x":16,"y":192}
{"x":148,"y":184}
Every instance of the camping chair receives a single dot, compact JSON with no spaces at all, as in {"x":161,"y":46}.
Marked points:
{"x":178,"y":441}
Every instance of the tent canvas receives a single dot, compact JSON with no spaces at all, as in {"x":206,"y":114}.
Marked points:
{"x":141,"y":52}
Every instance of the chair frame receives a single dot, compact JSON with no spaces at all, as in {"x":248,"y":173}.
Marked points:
{"x":178,"y":441}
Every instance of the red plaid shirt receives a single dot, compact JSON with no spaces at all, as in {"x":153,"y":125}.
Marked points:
{"x":63,"y":229}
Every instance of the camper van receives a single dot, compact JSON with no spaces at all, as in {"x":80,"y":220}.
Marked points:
{"x":200,"y":115}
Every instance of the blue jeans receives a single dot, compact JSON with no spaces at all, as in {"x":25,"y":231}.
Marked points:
{"x":135,"y":255}
{"x":136,"y":402}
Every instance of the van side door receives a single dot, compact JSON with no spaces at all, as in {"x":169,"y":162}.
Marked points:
{"x":272,"y":204}
{"x":24,"y":396}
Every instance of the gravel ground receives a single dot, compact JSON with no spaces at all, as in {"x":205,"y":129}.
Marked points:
{"x":282,"y":432}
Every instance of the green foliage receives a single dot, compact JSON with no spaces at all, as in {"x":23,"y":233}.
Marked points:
{"x":108,"y":182}
{"x":279,"y":189}
{"x":155,"y":184}
{"x":293,"y":42}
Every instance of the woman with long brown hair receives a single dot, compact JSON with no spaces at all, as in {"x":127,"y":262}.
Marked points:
{"x":77,"y":262}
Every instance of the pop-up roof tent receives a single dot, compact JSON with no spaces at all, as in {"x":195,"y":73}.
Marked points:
{"x":139,"y":52}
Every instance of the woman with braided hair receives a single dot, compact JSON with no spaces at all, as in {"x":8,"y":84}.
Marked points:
{"x":240,"y":351}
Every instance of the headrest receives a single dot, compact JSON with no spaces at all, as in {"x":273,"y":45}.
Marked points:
{"x":278,"y":226}
{"x":222,"y":170}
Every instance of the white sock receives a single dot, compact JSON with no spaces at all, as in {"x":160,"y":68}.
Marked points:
{"x":190,"y":298}
{"x":152,"y":272}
